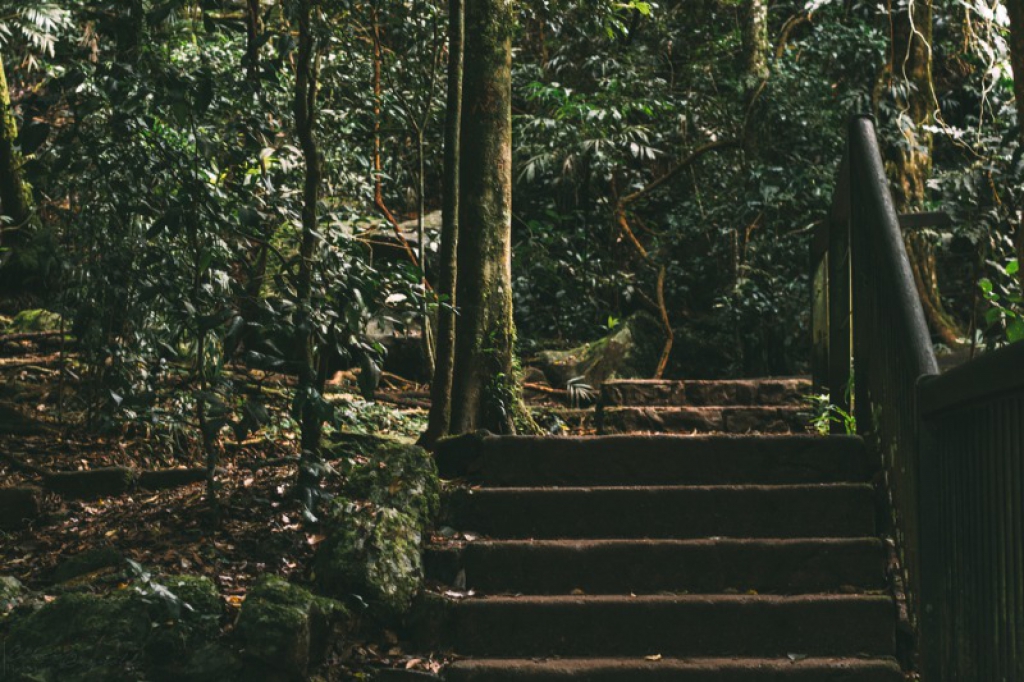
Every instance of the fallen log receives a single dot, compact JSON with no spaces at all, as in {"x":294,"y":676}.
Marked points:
{"x":92,"y":484}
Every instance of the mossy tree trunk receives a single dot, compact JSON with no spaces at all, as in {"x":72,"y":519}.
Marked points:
{"x":911,"y":68}
{"x":484,"y":390}
{"x":755,"y":40}
{"x":441,"y":385}
{"x":911,"y":64}
{"x":15,"y":196}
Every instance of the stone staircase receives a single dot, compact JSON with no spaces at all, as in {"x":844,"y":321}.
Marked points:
{"x":742,"y":406}
{"x":619,"y":558}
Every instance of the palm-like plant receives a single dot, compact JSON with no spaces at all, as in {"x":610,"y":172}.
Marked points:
{"x":37,"y":23}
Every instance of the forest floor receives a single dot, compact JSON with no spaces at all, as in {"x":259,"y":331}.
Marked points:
{"x":258,"y":527}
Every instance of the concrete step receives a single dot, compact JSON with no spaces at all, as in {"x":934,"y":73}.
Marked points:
{"x":734,"y":419}
{"x":553,"y":567}
{"x":681,"y":626}
{"x":782,"y":669}
{"x":642,"y":393}
{"x":654,"y":460}
{"x":741,"y":511}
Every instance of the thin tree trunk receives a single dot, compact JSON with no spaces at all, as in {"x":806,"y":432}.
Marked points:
{"x":441,"y":386}
{"x":1015,"y":8}
{"x":421,"y":234}
{"x":484,"y":390}
{"x":305,"y":123}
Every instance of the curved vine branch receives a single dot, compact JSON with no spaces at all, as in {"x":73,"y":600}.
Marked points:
{"x":622,"y":220}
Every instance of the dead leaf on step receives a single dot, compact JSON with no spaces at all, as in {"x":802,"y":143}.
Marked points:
{"x":653,"y":657}
{"x":796,"y":657}
{"x":578,"y":592}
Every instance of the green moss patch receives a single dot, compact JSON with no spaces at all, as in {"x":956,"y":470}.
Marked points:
{"x":132,"y":634}
{"x":286,"y":629}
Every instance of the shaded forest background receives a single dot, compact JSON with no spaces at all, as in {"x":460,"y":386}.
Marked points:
{"x":220,"y":260}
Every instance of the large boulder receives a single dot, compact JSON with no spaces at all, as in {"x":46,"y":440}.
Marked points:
{"x":630,"y":351}
{"x":286,"y":630}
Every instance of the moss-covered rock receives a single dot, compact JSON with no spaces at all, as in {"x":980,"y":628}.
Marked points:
{"x":286,"y":629}
{"x":400,"y":476}
{"x":36,"y":320}
{"x":631,"y":350}
{"x":374,"y":553}
{"x":12,"y":592}
{"x":132,"y":634}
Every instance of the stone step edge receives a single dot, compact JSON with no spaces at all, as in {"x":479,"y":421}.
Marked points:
{"x":767,"y":600}
{"x":647,"y":392}
{"x":730,"y":487}
{"x":875,"y":663}
{"x":868,"y":542}
{"x":465,"y":455}
{"x":741,"y":419}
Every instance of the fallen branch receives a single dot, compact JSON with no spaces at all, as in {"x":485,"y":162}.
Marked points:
{"x":403,"y":402}
{"x":541,"y":388}
{"x":267,"y":463}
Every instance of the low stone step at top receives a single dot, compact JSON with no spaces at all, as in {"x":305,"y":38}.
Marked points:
{"x":696,"y":393}
{"x":666,"y":669}
{"x":743,"y":511}
{"x":682,"y":626}
{"x":654,"y":460}
{"x":784,"y":419}
{"x":776,"y":566}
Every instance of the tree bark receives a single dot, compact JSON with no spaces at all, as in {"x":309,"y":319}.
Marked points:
{"x":911,"y":63}
{"x":441,"y":386}
{"x":484,"y":391}
{"x":305,"y":123}
{"x":15,"y":196}
{"x":755,"y":40}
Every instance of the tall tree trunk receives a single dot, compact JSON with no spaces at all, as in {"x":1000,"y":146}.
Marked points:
{"x":484,"y":390}
{"x":305,"y":123}
{"x":441,"y":386}
{"x":1015,"y":8}
{"x":15,"y":196}
{"x":911,"y":66}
